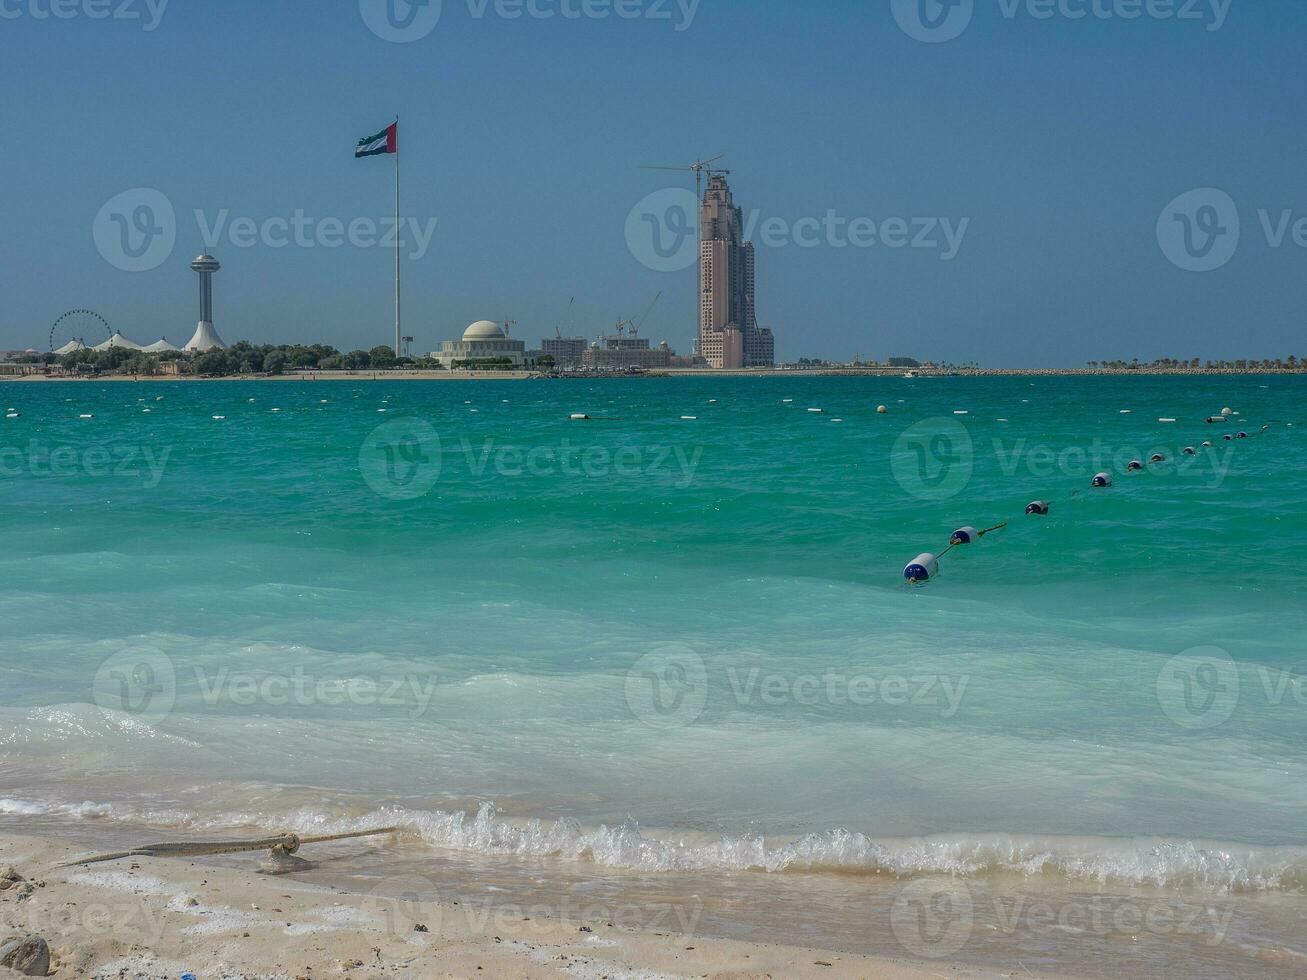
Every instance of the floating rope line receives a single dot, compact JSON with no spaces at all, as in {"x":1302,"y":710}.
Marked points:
{"x":925,"y":566}
{"x":281,"y":849}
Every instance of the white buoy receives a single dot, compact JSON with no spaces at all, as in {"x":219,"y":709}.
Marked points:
{"x":1102,"y":480}
{"x":817,"y":411}
{"x":276,"y":409}
{"x":1157,"y":458}
{"x":964,"y":535}
{"x":922,"y":568}
{"x":1127,"y":411}
{"x":1207,"y":445}
{"x":579,"y":417}
{"x":381,"y":410}
{"x":787,"y":401}
{"x":1166,"y":420}
{"x":86,"y":416}
{"x":712,"y":401}
{"x":882,"y":410}
{"x":1037,"y":508}
{"x":962,"y":412}
{"x":1227,"y":412}
{"x":220,"y":418}
{"x":689,"y":418}
{"x":12,"y":415}
{"x":1190,"y":451}
{"x":837,"y":420}
{"x":1134,"y":465}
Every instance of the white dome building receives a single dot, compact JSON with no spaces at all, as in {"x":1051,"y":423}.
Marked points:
{"x":484,"y":340}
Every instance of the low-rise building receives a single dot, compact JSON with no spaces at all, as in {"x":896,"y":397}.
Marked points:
{"x":482,"y":341}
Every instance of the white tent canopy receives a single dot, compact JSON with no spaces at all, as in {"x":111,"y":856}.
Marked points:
{"x":118,"y":340}
{"x":68,"y":348}
{"x":159,"y":346}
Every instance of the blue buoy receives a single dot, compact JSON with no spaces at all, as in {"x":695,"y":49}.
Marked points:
{"x":922,"y":568}
{"x":964,"y":535}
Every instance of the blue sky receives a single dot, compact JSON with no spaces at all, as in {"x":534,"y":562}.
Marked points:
{"x":1054,"y":143}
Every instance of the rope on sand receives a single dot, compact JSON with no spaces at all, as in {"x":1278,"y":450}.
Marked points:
{"x":280,"y":849}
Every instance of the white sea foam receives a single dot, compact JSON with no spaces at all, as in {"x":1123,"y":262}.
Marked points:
{"x":1208,"y":866}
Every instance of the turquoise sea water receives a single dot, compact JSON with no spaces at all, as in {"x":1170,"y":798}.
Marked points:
{"x":670,"y":644}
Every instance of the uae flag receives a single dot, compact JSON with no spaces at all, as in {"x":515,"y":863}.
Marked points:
{"x":386,"y":141}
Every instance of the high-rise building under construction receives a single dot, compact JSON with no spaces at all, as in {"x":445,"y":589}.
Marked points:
{"x":729,"y":335}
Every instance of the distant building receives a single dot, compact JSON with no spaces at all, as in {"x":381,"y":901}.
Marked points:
{"x":482,"y":341}
{"x":729,"y":335}
{"x":620,"y":351}
{"x":566,"y":351}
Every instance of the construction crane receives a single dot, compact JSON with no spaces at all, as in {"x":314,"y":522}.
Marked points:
{"x":697,"y":168}
{"x":639,"y":324}
{"x":508,"y":326}
{"x":558,"y":330}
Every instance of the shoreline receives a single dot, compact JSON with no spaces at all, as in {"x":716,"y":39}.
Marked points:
{"x":157,"y":918}
{"x":881,"y":373}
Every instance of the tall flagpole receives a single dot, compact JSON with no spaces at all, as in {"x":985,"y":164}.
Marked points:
{"x":397,"y":238}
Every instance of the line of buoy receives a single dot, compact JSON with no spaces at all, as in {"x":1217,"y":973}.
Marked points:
{"x":925,"y":566}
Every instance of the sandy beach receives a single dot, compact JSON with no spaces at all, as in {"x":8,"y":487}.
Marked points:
{"x":156,"y":918}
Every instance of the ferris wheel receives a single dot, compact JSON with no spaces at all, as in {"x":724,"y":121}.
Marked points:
{"x":85,"y":327}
